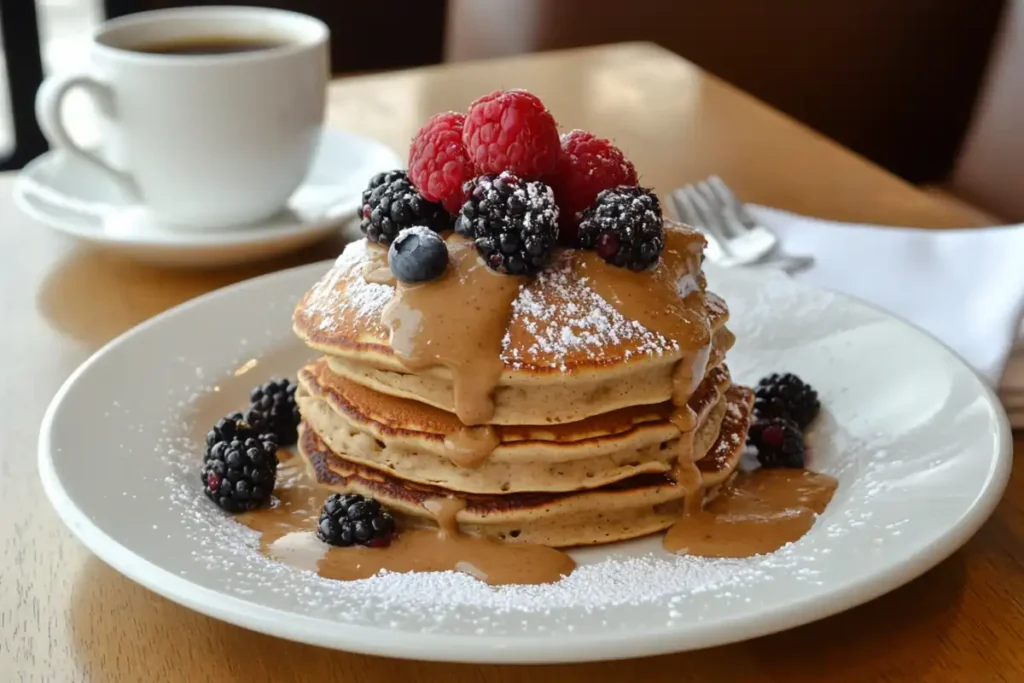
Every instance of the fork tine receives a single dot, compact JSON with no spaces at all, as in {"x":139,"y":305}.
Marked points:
{"x":729,"y":198}
{"x":729,"y":224}
{"x":688,"y":214}
{"x":682,"y":211}
{"x":737,"y":225}
{"x":707,"y":219}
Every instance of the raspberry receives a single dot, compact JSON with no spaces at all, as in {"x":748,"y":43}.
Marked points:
{"x":438,"y":161}
{"x":586,"y":166}
{"x":510,"y":130}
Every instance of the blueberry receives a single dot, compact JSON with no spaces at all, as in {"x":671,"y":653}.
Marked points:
{"x":418,"y":254}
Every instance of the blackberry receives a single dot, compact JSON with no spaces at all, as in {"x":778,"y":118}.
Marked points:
{"x":239,"y":473}
{"x":350,"y":519}
{"x":786,"y":395}
{"x":231,"y":427}
{"x":418,"y":254}
{"x":513,"y":222}
{"x":272,"y":410}
{"x":779,"y":442}
{"x":625,"y":227}
{"x":390,"y":203}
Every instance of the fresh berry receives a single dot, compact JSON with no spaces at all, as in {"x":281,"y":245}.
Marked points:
{"x":391,"y":203}
{"x":239,"y":473}
{"x":418,"y":255}
{"x":510,"y":130}
{"x":231,"y":427}
{"x":272,"y":409}
{"x":786,"y":395}
{"x":351,"y":519}
{"x":514,"y":222}
{"x":625,"y":227}
{"x":438,"y":161}
{"x":586,"y":166}
{"x":779,"y":442}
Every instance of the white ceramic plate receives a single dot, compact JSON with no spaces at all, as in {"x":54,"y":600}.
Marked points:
{"x":919,"y":444}
{"x":68,"y":196}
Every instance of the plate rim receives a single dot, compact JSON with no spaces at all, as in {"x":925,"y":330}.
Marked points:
{"x":441,"y":647}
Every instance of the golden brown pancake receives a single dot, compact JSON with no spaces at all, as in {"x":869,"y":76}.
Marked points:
{"x":581,"y":404}
{"x":723,"y":458}
{"x":407,"y":439}
{"x":566,"y":353}
{"x":629,"y":508}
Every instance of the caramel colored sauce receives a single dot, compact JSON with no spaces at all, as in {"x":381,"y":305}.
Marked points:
{"x":758,"y":513}
{"x":375,"y":268}
{"x":470,"y":446}
{"x":651,"y":298}
{"x":688,"y":373}
{"x":380,"y":276}
{"x":458,"y":322}
{"x":684,"y":418}
{"x":288,"y":535}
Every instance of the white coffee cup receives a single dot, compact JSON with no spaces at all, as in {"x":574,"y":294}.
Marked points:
{"x":203,"y":140}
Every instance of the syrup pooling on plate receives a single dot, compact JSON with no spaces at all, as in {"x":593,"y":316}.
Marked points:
{"x":458,"y":322}
{"x":287,"y":535}
{"x":758,"y":513}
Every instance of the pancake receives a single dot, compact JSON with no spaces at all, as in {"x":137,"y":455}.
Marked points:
{"x":407,"y":439}
{"x":578,"y":339}
{"x":632,"y":507}
{"x":584,"y":403}
{"x":523,"y":402}
{"x":723,"y":457}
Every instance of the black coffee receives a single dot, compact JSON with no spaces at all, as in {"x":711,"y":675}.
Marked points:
{"x":217,"y":45}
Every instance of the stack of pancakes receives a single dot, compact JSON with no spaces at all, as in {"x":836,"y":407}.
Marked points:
{"x":585,"y":404}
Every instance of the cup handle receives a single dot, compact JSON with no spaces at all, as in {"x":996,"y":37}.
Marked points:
{"x":49,"y":108}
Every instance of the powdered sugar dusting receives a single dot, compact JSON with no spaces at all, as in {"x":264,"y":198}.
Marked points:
{"x":638,"y":575}
{"x":343,"y":293}
{"x":145,"y":443}
{"x":418,"y":230}
{"x":566,"y":320}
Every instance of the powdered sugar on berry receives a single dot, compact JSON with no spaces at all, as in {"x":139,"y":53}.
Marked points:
{"x":419,"y":231}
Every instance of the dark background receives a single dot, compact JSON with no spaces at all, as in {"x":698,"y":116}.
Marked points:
{"x":895,"y":80}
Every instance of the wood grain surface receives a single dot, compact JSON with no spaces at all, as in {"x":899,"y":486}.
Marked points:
{"x":66,"y":617}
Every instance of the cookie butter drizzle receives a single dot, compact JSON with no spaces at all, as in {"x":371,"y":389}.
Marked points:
{"x":471,"y":446}
{"x":286,"y":535}
{"x":456,"y":322}
{"x":653,"y":299}
{"x":759,"y":512}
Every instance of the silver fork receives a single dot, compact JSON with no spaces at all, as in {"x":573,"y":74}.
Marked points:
{"x":734,"y":237}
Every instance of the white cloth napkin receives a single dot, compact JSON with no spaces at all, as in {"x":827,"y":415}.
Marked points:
{"x":966,"y":286}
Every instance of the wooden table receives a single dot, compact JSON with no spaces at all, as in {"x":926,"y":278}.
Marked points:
{"x":65,"y":616}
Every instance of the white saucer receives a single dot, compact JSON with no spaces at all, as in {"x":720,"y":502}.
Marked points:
{"x":65,"y":194}
{"x":920,"y":446}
